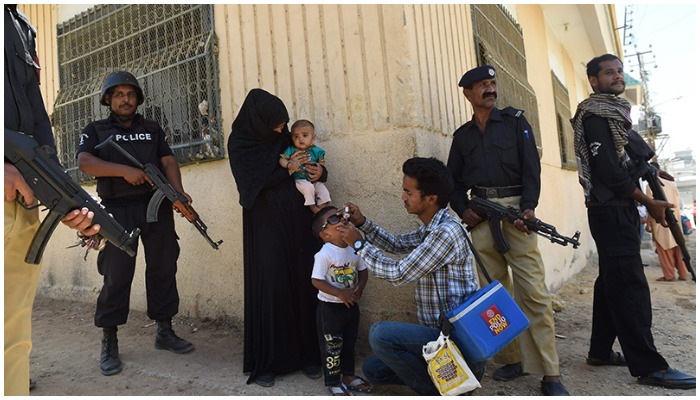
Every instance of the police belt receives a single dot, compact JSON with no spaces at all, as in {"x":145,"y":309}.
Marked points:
{"x":496,"y":192}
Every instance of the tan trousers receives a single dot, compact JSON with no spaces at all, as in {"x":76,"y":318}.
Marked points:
{"x":535,"y":347}
{"x":20,"y":287}
{"x":670,"y":260}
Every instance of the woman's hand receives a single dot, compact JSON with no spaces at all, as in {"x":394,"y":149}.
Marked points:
{"x":315,"y":171}
{"x":298,"y":159}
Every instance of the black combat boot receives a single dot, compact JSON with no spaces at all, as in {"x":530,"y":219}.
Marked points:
{"x":166,"y":339}
{"x":110,"y":363}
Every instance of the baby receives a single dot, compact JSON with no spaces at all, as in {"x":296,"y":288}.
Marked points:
{"x":316,"y":194}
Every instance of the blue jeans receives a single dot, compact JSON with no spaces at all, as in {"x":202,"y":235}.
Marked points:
{"x":398,"y":356}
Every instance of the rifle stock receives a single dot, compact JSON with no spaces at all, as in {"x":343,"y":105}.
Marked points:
{"x":58,"y":192}
{"x":510,"y":214}
{"x":163,"y":189}
{"x":676,"y":230}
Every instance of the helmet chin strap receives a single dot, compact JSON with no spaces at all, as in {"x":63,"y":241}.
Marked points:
{"x":123,"y":118}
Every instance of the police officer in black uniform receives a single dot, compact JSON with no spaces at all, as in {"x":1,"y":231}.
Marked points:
{"x":125,"y":191}
{"x":495,"y":157}
{"x":609,"y":154}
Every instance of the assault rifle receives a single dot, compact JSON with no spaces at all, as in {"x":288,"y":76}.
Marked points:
{"x":59,"y":193}
{"x":496,"y":213}
{"x":163,"y":189}
{"x":673,"y":225}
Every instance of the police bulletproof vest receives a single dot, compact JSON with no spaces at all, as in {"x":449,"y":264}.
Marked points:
{"x":139,"y":143}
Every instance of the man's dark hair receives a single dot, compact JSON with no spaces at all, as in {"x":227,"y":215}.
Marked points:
{"x":432,"y":176}
{"x":318,"y":220}
{"x":593,"y":66}
{"x":302,"y":123}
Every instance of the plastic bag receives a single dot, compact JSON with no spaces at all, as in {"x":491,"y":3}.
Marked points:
{"x":447,"y":369}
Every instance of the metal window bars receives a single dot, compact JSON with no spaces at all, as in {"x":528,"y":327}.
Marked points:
{"x":172,"y":51}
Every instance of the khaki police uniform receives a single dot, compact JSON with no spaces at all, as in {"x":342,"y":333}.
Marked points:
{"x":502,"y":165}
{"x":24,"y":112}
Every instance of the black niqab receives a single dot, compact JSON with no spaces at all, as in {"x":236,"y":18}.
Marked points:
{"x":254,"y":146}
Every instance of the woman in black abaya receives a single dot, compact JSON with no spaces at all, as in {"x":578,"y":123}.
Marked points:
{"x":278,"y":246}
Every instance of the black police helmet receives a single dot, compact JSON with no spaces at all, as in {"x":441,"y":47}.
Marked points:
{"x":120,"y":78}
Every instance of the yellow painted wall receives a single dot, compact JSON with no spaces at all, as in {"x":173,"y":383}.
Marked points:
{"x":380,"y":84}
{"x":43,"y":17}
{"x":561,"y":198}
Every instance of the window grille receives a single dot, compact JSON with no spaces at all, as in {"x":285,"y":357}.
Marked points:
{"x":499,"y":42}
{"x":170,"y":48}
{"x":564,"y":128}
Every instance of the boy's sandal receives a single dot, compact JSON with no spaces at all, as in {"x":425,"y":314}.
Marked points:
{"x":341,"y":390}
{"x":360,"y":385}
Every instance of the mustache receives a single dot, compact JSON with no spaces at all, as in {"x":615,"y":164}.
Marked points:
{"x":490,"y":94}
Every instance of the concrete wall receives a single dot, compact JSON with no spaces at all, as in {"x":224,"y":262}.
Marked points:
{"x":380,"y":83}
{"x":561,"y":199}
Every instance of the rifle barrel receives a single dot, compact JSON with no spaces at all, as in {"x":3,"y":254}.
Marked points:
{"x":671,"y":220}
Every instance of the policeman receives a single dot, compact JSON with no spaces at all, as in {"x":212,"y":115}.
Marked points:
{"x":24,"y":112}
{"x":494,"y":156}
{"x":125,"y":191}
{"x":608,"y":151}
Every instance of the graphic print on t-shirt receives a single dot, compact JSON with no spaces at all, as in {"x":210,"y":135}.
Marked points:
{"x":344,"y":274}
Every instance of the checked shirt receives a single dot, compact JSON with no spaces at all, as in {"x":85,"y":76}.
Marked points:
{"x":438,"y":249}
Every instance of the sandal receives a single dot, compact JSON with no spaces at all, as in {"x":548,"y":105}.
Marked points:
{"x":360,"y":385}
{"x":341,"y":390}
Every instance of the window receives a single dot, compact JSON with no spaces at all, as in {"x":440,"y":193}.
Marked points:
{"x":564,"y":128}
{"x":499,"y":42}
{"x":170,"y":48}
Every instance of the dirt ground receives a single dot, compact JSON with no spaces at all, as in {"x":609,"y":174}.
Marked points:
{"x":67,"y":346}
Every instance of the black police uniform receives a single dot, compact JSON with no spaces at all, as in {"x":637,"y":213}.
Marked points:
{"x":145,"y":141}
{"x":621,"y":299}
{"x":24,"y":106}
{"x":504,"y":156}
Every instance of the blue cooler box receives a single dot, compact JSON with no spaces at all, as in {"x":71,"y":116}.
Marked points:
{"x":486,"y":322}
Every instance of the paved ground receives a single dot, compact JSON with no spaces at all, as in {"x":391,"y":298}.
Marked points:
{"x":67,"y":344}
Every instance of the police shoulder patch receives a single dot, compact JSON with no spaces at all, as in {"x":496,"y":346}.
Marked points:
{"x":514,"y":112}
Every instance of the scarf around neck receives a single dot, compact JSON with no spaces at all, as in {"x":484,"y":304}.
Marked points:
{"x":617,"y":111}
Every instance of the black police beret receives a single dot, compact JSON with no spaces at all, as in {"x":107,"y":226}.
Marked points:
{"x":477,"y":74}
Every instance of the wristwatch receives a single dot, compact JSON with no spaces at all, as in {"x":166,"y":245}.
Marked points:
{"x":358,"y":245}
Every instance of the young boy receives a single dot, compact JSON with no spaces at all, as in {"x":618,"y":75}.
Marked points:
{"x":316,"y":194}
{"x":340,"y":277}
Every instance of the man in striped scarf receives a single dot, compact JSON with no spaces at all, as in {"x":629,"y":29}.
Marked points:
{"x":621,"y":299}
